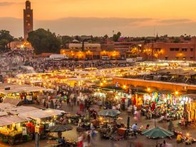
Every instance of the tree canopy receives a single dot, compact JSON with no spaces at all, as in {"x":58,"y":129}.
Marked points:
{"x":44,"y":41}
{"x":116,"y":36}
{"x":5,"y":39}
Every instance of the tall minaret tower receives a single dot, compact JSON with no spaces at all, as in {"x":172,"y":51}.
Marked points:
{"x":28,"y":19}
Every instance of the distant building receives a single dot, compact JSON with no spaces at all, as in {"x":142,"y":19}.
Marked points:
{"x":163,"y":50}
{"x":172,"y":51}
{"x":20,"y":45}
{"x":28,"y":19}
{"x":78,"y":50}
{"x":122,"y":48}
{"x":87,"y":46}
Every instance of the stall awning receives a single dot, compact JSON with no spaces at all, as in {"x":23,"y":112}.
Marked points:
{"x":8,"y":120}
{"x":3,"y":113}
{"x":21,"y":109}
{"x":39,"y":114}
{"x":54,"y":112}
{"x":12,"y":101}
{"x":21,"y":88}
{"x":6,"y":106}
{"x":33,"y":114}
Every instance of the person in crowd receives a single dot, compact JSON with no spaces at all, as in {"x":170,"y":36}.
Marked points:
{"x":129,"y":109}
{"x":165,"y":144}
{"x":179,"y":138}
{"x":80,"y":140}
{"x":147,"y":126}
{"x":134,"y":129}
{"x":62,"y":142}
{"x":114,"y":107}
{"x":88,"y":138}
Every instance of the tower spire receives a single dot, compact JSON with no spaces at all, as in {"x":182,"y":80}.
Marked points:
{"x":28,"y":19}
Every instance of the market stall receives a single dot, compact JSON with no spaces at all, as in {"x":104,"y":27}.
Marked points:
{"x":189,"y":101}
{"x":12,"y":130}
{"x":43,"y":118}
{"x":21,"y":93}
{"x":18,"y":123}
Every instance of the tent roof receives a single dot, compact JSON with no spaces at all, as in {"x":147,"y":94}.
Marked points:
{"x":22,"y":109}
{"x":12,"y":101}
{"x":8,"y":120}
{"x":5,"y":106}
{"x":39,"y":114}
{"x":2,"y":113}
{"x":21,"y":88}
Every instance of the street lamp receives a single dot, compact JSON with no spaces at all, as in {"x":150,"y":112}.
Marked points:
{"x":37,"y":136}
{"x":176,"y":93}
{"x":148,"y":89}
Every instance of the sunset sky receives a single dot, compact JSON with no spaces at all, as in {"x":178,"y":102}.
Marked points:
{"x":100,"y":17}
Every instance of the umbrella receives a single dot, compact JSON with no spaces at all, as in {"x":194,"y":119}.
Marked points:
{"x":157,"y":132}
{"x":109,"y":113}
{"x":60,"y":128}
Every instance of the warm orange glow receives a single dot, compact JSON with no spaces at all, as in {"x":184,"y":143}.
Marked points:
{"x":161,"y":51}
{"x":179,"y":54}
{"x":148,"y":89}
{"x":146,"y":14}
{"x":157,"y":85}
{"x":89,"y":53}
{"x":79,"y":8}
{"x":147,"y":50}
{"x":156,"y":55}
{"x":104,"y":53}
{"x":135,"y":50}
{"x":124,"y":86}
{"x":176,"y":92}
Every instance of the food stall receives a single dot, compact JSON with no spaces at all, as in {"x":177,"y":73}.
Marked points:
{"x":157,"y":104}
{"x":42,"y":118}
{"x":18,"y":123}
{"x":22,"y":93}
{"x":12,"y":130}
{"x":189,"y":102}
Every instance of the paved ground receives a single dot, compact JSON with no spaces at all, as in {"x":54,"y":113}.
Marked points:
{"x":123,"y":143}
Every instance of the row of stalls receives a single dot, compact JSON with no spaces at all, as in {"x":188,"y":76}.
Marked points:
{"x":173,"y":106}
{"x":21,"y":93}
{"x":18,"y":123}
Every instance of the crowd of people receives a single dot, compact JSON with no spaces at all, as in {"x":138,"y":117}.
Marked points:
{"x":13,"y":61}
{"x":78,"y":96}
{"x":10,"y":62}
{"x":42,"y":65}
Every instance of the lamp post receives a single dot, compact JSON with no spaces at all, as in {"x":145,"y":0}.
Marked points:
{"x":37,"y":136}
